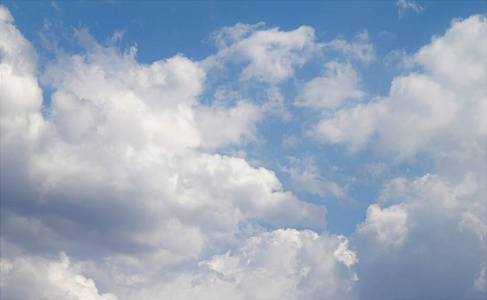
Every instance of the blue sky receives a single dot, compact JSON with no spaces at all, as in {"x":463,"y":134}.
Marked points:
{"x":208,"y":137}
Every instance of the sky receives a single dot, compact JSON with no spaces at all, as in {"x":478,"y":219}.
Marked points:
{"x":243,"y":150}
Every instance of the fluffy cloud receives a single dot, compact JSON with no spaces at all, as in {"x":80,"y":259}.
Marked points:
{"x":266,"y":58}
{"x":288,"y":264}
{"x":128,"y":133}
{"x":422,"y":230}
{"x":270,"y":55}
{"x":19,"y":119}
{"x":352,"y":126}
{"x":223,"y":126}
{"x":34,"y":277}
{"x":431,"y":111}
{"x":121,"y":172}
{"x":424,"y":240}
{"x":116,"y":170}
{"x":339,"y":83}
{"x":281,"y":264}
{"x":388,"y":226}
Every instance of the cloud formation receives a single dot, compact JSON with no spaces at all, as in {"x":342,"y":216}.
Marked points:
{"x":270,"y":55}
{"x":28,"y":277}
{"x":427,"y":109}
{"x":420,"y":243}
{"x":118,"y":189}
{"x":339,"y":83}
{"x":117,"y":162}
{"x":405,"y":5}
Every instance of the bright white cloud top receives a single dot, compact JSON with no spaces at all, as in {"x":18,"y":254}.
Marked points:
{"x":130,"y":180}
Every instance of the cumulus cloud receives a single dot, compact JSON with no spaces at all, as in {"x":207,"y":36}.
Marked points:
{"x":339,"y":83}
{"x":416,"y":237}
{"x":282,"y":264}
{"x":39,"y":278}
{"x":142,"y":162}
{"x":288,"y":264}
{"x":424,"y":239}
{"x":388,"y":225}
{"x":117,"y":168}
{"x":122,"y":173}
{"x":429,"y":111}
{"x":221,"y":125}
{"x":18,"y":67}
{"x":352,"y":126}
{"x":266,"y":58}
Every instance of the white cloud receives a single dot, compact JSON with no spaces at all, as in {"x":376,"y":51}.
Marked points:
{"x":405,"y":5}
{"x":353,"y":126}
{"x":266,"y":58}
{"x":19,"y":119}
{"x":358,"y":50}
{"x":430,"y":111}
{"x":117,"y":174}
{"x":424,"y":239}
{"x":288,"y":264}
{"x":339,"y":83}
{"x":39,"y":278}
{"x":284,"y":263}
{"x":388,"y":226}
{"x":463,"y":48}
{"x":117,"y":169}
{"x":222,"y":126}
{"x":271,"y":55}
{"x":417,"y":110}
{"x":435,"y":111}
{"x":306,"y":177}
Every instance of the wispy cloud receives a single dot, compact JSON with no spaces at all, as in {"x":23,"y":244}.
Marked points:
{"x":407,"y":5}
